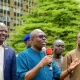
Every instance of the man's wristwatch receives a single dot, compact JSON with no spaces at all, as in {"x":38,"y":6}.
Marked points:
{"x":69,"y":72}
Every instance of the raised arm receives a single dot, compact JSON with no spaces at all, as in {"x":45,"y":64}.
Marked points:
{"x":31,"y":73}
{"x":72,"y":66}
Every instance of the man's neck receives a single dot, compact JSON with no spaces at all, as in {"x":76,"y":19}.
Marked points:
{"x":37,"y":50}
{"x":1,"y":43}
{"x":78,"y":48}
{"x":57,"y":56}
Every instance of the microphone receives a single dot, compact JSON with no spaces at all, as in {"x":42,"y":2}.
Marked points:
{"x":44,"y":49}
{"x":49,"y":52}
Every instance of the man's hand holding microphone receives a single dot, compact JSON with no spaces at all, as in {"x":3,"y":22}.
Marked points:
{"x":47,"y":60}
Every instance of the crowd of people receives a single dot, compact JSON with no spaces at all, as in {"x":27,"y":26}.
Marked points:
{"x":33,"y":64}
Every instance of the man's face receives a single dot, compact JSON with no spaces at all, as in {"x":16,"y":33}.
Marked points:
{"x":59,"y":48}
{"x":39,"y":40}
{"x":3,"y":33}
{"x":28,"y":43}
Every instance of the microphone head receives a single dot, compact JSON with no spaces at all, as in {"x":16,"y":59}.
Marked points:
{"x":44,"y":49}
{"x":49,"y":51}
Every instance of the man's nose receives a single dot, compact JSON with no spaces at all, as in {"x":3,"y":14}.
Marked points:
{"x":3,"y":32}
{"x":60,"y":47}
{"x":44,"y":38}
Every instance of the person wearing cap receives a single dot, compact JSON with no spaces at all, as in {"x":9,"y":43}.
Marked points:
{"x":27,"y":41}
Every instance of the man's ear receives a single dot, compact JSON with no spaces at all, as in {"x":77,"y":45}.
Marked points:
{"x":76,"y":40}
{"x":32,"y":38}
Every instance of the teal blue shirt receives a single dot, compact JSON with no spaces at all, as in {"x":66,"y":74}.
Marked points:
{"x":28,"y":59}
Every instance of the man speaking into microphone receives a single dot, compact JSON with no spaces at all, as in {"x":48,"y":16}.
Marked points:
{"x":32,"y":63}
{"x":49,"y":52}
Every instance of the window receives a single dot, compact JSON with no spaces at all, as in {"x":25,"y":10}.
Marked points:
{"x":5,"y":18}
{"x":8,"y":12}
{"x":15,"y":3}
{"x":19,"y":10}
{"x":5,"y":22}
{"x":8,"y":19}
{"x":16,"y":21}
{"x":27,"y":4}
{"x":1,"y":11}
{"x":5,"y":1}
{"x":1,"y":18}
{"x":14,"y":24}
{"x":18,"y":14}
{"x":6,"y":8}
{"x":33,"y":4}
{"x":20,"y":1}
{"x":8,"y":23}
{"x":14,"y":13}
{"x":21,"y":4}
{"x":5,"y":11}
{"x":1,"y":0}
{"x":21,"y":22}
{"x":30,"y":3}
{"x":9,"y":1}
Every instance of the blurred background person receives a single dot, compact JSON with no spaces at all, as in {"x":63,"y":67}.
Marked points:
{"x":27,"y":41}
{"x":71,"y":56}
{"x":7,"y":56}
{"x":58,"y":48}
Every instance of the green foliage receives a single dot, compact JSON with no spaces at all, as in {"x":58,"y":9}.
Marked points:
{"x":59,"y":19}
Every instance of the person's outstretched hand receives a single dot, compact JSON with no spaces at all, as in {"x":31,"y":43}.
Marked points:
{"x":74,"y":64}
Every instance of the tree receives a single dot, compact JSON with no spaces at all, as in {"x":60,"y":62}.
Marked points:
{"x":59,"y":19}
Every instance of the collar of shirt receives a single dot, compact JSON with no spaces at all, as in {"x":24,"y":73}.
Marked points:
{"x":2,"y":45}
